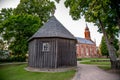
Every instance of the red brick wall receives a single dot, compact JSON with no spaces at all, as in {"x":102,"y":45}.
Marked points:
{"x":86,"y":50}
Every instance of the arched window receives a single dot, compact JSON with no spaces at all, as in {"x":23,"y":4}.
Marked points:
{"x":87,"y":52}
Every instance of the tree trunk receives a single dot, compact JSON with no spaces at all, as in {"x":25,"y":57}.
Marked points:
{"x":111,"y":49}
{"x":115,"y":65}
{"x":119,"y":23}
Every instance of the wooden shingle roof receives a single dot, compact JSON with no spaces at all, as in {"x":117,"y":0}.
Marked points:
{"x":53,"y":28}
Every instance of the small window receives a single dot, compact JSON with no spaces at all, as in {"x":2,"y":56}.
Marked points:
{"x":82,"y":51}
{"x":45,"y":47}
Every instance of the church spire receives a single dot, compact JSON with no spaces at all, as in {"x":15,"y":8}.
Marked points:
{"x":86,"y":28}
{"x":87,"y":33}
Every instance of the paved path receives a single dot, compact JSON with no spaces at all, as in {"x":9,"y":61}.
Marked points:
{"x":91,"y":72}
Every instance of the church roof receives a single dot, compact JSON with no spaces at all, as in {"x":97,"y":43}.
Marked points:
{"x":84,"y":41}
{"x":53,"y":28}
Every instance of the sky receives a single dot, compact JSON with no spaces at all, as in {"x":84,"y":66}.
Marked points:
{"x":62,"y":14}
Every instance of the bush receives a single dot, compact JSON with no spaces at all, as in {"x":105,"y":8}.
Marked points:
{"x":13,"y":58}
{"x":79,"y":59}
{"x":4,"y":54}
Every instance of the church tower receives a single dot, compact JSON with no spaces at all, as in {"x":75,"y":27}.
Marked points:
{"x":87,"y":33}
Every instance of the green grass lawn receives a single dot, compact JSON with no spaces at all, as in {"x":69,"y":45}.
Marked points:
{"x":95,"y":63}
{"x":102,"y":65}
{"x":83,"y":59}
{"x":105,"y":67}
{"x":17,"y":72}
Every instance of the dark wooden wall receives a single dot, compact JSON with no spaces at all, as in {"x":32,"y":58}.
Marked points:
{"x":39,"y":58}
{"x":66,"y":53}
{"x":61,"y":54}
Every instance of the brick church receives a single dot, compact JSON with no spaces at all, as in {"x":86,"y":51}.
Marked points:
{"x":85,"y":46}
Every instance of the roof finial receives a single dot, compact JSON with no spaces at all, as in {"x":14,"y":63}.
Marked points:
{"x":87,"y":27}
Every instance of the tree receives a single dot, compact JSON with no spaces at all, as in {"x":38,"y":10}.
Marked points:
{"x":19,"y":24}
{"x":103,"y":47}
{"x":100,"y":13}
{"x":4,"y":14}
{"x":18,"y":29}
{"x":119,"y":50}
{"x":115,"y":7}
{"x":2,"y":44}
{"x":41,"y":8}
{"x":2,"y":47}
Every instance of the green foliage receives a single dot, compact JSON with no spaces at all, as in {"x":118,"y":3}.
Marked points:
{"x":13,"y":58}
{"x":41,"y":8}
{"x":4,"y":54}
{"x":4,"y":14}
{"x":103,"y":47}
{"x":93,"y":61}
{"x":79,"y":59}
{"x":98,"y":12}
{"x":57,"y":1}
{"x":18,"y":29}
{"x":2,"y":44}
{"x":115,"y":7}
{"x":90,"y":59}
{"x":116,"y":45}
{"x":100,"y":64}
{"x":96,"y":61}
{"x":19,"y":73}
{"x":101,"y":14}
{"x":105,"y":67}
{"x":93,"y":11}
{"x":19,"y":24}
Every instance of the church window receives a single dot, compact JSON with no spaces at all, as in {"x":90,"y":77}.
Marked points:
{"x":82,"y":51}
{"x":90,"y":50}
{"x":87,"y":52}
